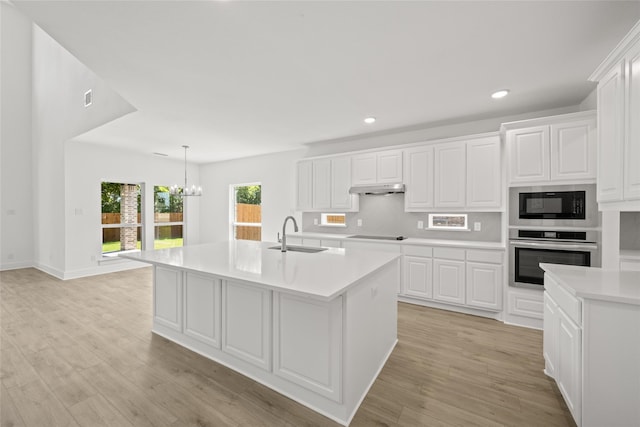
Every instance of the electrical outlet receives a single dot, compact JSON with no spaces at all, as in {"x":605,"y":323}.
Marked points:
{"x":420,"y":225}
{"x":477,"y":226}
{"x":359,"y":222}
{"x":315,"y":221}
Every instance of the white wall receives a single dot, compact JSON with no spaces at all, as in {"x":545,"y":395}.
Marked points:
{"x":87,"y":165}
{"x":58,"y":114}
{"x":16,"y":202}
{"x":276,"y":173}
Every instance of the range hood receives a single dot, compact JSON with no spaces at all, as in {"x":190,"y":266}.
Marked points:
{"x":377,"y":189}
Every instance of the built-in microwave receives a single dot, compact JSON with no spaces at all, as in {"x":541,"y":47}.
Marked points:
{"x":565,"y":206}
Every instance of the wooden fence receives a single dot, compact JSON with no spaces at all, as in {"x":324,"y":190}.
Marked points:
{"x":248,"y":213}
{"x":163,"y":232}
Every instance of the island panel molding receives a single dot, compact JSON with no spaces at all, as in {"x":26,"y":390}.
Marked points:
{"x":317,"y":328}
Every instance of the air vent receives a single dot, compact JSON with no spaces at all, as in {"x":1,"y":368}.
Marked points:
{"x":88,"y":98}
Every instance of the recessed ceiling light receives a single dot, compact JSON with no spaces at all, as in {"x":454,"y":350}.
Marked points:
{"x":500,"y":94}
{"x":370,"y":120}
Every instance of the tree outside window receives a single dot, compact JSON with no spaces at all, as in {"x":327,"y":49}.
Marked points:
{"x":121,"y":217}
{"x":247,"y":220}
{"x":168,"y":219}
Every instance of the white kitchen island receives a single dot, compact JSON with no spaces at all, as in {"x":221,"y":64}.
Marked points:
{"x":316,"y":327}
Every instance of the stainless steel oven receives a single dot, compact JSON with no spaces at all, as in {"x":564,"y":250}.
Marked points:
{"x":554,"y":206}
{"x":528,"y":248}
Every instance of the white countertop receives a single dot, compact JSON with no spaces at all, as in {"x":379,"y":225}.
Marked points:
{"x":323,"y":275}
{"x":468,"y":244}
{"x":596,"y":283}
{"x":630,"y":254}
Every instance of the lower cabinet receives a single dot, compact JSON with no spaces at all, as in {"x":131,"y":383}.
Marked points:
{"x":448,"y":280}
{"x":464,"y":277}
{"x":562,"y":344}
{"x":167,"y":298}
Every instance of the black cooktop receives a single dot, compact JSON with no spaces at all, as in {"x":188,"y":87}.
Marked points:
{"x":363,"y":236}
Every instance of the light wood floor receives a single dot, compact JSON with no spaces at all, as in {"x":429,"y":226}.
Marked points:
{"x":80,"y":352}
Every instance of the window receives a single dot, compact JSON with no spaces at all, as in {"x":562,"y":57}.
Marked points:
{"x":121,"y":219}
{"x":333,"y":219}
{"x":246,"y":215}
{"x":448,"y":222}
{"x":168,"y":219}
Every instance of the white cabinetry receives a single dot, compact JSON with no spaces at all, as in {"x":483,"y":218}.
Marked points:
{"x":323,"y":185}
{"x":450,"y":175}
{"x":454,"y":175}
{"x":382,"y":167}
{"x":562,"y":343}
{"x":418,"y":178}
{"x":618,"y":91}
{"x":560,"y":149}
{"x":417,"y":269}
{"x":449,"y":275}
{"x":484,"y":173}
{"x":484,"y":279}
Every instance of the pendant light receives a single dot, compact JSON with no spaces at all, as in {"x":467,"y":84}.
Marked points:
{"x":174,"y":190}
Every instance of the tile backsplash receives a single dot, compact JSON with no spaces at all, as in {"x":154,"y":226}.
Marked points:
{"x":385,"y":215}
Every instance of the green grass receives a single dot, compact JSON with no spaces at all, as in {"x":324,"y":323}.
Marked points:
{"x":157,"y":244}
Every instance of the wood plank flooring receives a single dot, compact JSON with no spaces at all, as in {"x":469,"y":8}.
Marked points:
{"x":80,"y":353}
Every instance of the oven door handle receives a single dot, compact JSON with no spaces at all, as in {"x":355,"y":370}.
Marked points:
{"x":546,"y":245}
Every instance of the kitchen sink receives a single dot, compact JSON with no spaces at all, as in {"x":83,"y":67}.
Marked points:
{"x":293,"y":248}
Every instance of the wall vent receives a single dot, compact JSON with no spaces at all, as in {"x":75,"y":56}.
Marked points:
{"x":88,"y":98}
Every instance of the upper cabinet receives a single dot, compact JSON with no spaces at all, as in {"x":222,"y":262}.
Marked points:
{"x":381,"y":167}
{"x":618,"y":91}
{"x":323,"y":184}
{"x":455,"y":175}
{"x":552,"y":150}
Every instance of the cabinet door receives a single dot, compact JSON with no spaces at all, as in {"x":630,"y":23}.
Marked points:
{"x":550,"y":335}
{"x":484,"y":173}
{"x":528,"y":154}
{"x":418,"y":180}
{"x":417,"y":278}
{"x":202,"y":309}
{"x":340,"y":183}
{"x":448,"y":281}
{"x":364,"y":169}
{"x":573,"y":151}
{"x":167,"y":298}
{"x":322,"y":184}
{"x":632,"y":140}
{"x":450,"y":170}
{"x":484,"y":288}
{"x":304,"y":194}
{"x":569,"y":369}
{"x":610,"y":135}
{"x":389,"y":167}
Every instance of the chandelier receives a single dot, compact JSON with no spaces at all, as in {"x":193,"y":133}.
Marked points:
{"x":174,"y":190}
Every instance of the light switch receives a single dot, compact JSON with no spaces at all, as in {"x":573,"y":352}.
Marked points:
{"x":315,"y":221}
{"x":420,"y":225}
{"x":477,"y":226}
{"x":359,"y":222}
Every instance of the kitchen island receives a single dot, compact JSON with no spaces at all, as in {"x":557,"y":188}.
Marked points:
{"x":316,"y":327}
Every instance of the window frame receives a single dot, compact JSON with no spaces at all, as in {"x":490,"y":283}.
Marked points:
{"x":233,"y":210}
{"x":137,"y":225}
{"x":170,"y":223}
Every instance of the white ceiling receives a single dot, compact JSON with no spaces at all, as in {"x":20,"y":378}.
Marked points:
{"x":234,"y":78}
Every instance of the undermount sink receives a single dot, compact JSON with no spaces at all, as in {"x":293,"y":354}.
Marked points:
{"x":293,"y":248}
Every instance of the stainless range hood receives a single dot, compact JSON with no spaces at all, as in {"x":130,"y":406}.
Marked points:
{"x":377,"y":189}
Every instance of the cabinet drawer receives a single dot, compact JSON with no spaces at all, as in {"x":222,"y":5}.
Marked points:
{"x":567,"y":302}
{"x":491,"y":257}
{"x":449,"y":253}
{"x":423,"y":251}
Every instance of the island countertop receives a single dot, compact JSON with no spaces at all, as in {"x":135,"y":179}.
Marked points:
{"x":322,"y":275}
{"x":596,"y":283}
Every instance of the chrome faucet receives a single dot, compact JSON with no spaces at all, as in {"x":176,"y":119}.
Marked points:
{"x":284,"y":234}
